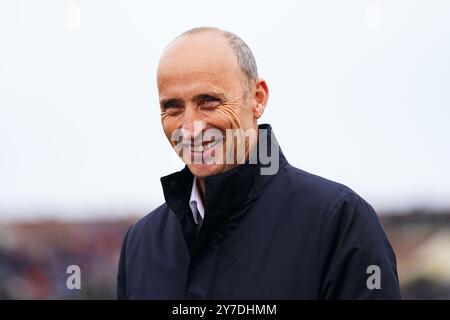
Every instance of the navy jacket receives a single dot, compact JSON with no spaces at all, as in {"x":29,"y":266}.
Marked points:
{"x":292,"y":235}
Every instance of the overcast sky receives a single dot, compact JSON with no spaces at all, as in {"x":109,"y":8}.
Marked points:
{"x":359,"y":93}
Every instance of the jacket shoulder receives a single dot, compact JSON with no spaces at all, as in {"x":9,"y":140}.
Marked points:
{"x":150,"y":222}
{"x":314,"y":189}
{"x":328,"y":199}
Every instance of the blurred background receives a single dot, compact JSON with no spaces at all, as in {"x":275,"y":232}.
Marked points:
{"x":359,"y":94}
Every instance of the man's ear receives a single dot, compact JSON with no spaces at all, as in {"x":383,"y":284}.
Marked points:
{"x":261,"y":96}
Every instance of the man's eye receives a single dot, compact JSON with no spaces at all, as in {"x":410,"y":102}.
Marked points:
{"x":171,"y":106}
{"x":209,"y":101}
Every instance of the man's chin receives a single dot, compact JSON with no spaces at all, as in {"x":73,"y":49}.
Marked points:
{"x":202,"y":170}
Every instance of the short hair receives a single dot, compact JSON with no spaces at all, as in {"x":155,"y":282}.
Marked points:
{"x":244,"y":55}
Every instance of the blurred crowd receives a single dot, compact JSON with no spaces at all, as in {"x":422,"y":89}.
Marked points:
{"x":421,"y":241}
{"x":34,"y":257}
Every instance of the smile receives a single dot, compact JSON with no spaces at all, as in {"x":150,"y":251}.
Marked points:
{"x":202,"y":148}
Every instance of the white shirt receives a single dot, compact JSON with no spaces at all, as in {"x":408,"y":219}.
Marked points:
{"x":196,"y":203}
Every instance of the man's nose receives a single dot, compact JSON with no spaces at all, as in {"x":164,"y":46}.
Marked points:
{"x":192,"y":124}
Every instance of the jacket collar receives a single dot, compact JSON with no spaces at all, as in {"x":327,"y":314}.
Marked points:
{"x":225,"y":191}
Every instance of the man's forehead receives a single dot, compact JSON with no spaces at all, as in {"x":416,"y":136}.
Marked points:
{"x":191,"y":85}
{"x":186,"y":74}
{"x":197,"y":53}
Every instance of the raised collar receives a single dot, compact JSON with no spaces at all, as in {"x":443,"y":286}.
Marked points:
{"x":226,"y":191}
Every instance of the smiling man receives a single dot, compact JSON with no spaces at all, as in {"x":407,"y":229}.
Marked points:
{"x":239,"y":222}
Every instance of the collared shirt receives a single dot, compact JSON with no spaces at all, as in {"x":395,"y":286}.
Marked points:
{"x":196,"y":203}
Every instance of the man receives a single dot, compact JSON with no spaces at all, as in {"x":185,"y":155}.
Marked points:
{"x":235,"y":225}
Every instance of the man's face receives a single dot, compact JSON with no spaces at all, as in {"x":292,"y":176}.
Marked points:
{"x":202,"y":87}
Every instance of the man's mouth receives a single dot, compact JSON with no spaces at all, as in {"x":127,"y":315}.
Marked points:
{"x":203,"y":147}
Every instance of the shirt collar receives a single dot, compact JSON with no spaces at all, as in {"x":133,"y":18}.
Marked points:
{"x":195,"y":202}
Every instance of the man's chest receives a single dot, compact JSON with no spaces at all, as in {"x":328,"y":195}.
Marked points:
{"x":260,"y":254}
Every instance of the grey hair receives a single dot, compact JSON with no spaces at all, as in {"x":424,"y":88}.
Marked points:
{"x":244,"y":55}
